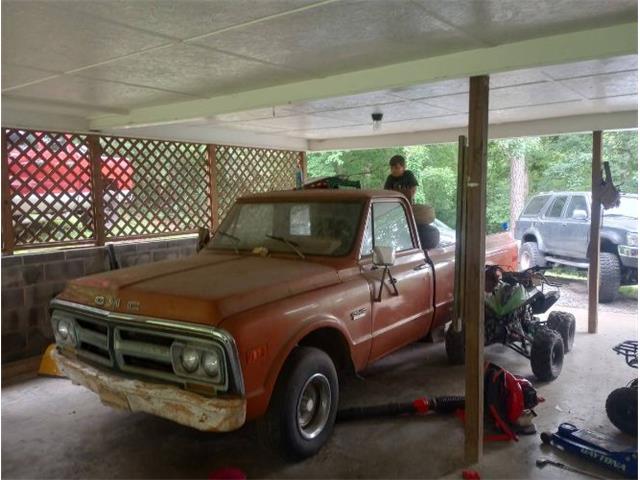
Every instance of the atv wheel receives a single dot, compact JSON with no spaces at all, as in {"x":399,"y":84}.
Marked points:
{"x":303,"y":406}
{"x":610,"y":277}
{"x":530,"y":256}
{"x":547,"y":354}
{"x":565,"y":324}
{"x":454,"y":344}
{"x":622,"y":409}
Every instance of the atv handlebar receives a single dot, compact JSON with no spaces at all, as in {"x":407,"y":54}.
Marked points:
{"x":526,"y":277}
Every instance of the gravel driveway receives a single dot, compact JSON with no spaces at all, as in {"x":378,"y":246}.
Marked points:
{"x":574,"y":294}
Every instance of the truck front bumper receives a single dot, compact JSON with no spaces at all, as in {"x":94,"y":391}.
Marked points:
{"x":166,"y":401}
{"x":628,"y":256}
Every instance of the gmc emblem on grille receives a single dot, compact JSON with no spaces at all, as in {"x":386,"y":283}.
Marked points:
{"x":112,"y":302}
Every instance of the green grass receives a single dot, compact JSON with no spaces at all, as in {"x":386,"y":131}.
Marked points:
{"x":629,"y":291}
{"x":568,"y":272}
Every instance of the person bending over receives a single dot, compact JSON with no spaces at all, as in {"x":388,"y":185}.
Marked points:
{"x":400,"y":179}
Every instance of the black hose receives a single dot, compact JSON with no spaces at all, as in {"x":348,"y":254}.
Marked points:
{"x":448,"y":404}
{"x":444,"y":404}
{"x":375,"y":411}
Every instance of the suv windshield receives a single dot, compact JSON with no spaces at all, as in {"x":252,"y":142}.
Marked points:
{"x":628,"y":208}
{"x":314,"y":228}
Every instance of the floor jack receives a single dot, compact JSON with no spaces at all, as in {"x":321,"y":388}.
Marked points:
{"x":595,"y":447}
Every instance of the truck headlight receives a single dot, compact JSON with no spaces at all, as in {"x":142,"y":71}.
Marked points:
{"x":190,"y":359}
{"x":632,"y":239}
{"x":211,"y":364}
{"x":64,"y":329}
{"x":198,"y":361}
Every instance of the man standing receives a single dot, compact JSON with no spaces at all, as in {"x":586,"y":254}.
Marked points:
{"x":401,"y":179}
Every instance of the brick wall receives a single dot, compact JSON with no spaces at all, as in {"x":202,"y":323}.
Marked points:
{"x":30,"y":280}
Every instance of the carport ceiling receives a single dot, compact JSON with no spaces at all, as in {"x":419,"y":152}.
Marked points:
{"x":196,"y":70}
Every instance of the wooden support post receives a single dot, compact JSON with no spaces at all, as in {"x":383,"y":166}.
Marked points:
{"x":213,"y":185}
{"x":8,"y":232}
{"x":97,"y":192}
{"x":594,"y":235}
{"x":458,"y":292}
{"x":474,"y":255}
{"x":302,"y":162}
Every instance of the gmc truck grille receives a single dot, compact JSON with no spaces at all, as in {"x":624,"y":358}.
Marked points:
{"x":143,"y":346}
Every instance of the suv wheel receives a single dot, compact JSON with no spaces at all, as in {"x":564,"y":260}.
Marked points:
{"x":610,"y":277}
{"x":530,"y":256}
{"x":303,"y":406}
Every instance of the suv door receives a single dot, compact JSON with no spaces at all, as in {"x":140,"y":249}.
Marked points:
{"x":554,"y":226}
{"x":577,"y":229}
{"x":406,"y":317}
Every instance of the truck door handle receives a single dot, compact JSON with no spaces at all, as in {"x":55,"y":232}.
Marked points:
{"x":422,"y":266}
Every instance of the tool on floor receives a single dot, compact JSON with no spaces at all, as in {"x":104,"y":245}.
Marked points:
{"x":422,"y":405}
{"x":542,"y":462}
{"x":509,"y":403}
{"x":596,"y":447}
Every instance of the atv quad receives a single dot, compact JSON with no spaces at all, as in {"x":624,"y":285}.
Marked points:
{"x":512,"y":299}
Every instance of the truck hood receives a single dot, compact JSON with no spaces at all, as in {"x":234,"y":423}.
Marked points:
{"x":205,"y":288}
{"x":627,"y":224}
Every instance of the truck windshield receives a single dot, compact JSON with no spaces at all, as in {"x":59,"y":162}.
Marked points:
{"x":314,"y":228}
{"x":628,"y":208}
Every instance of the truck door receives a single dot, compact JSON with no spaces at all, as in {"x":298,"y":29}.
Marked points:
{"x":554,"y":227}
{"x":403,"y":318}
{"x":577,"y":226}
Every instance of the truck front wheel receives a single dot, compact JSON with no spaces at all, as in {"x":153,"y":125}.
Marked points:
{"x":610,"y":277}
{"x":303,"y":407}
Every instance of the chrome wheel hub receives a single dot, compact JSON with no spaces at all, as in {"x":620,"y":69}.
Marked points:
{"x":314,"y":405}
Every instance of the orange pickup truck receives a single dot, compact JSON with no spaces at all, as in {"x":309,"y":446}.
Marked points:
{"x":293,"y":289}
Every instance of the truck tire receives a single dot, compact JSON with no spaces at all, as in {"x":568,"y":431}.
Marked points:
{"x":303,"y":407}
{"x":547,"y":354}
{"x":610,"y":277}
{"x":454,"y":345}
{"x":622,"y":409}
{"x":530,"y":256}
{"x":565,"y":324}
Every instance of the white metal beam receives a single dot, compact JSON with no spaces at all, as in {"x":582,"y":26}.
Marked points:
{"x":548,"y":126}
{"x":564,"y":48}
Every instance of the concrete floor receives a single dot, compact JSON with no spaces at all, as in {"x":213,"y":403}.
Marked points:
{"x":53,"y":429}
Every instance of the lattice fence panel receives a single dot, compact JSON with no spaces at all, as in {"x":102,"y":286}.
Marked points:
{"x":153,"y":187}
{"x":242,"y":170}
{"x":49,"y":187}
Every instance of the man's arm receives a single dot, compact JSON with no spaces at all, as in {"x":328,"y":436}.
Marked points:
{"x":387,"y":183}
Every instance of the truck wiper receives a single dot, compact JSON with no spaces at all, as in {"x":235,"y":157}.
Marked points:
{"x":289,"y":243}
{"x":232,"y":237}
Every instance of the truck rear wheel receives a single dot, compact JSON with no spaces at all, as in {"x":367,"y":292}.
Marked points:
{"x":530,"y":256}
{"x":547,"y":354}
{"x":610,"y":277}
{"x":303,"y":406}
{"x":454,"y":345}
{"x":565,"y":324}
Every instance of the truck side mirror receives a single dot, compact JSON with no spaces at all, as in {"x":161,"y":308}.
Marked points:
{"x":384,"y":256}
{"x":203,"y":238}
{"x":579,"y":215}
